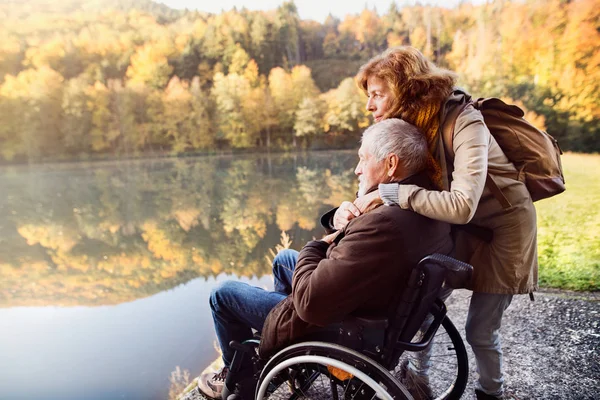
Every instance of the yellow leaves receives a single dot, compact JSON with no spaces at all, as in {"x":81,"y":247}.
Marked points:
{"x":394,"y":39}
{"x":197,"y":259}
{"x":216,"y":267}
{"x":177,"y":101}
{"x":368,"y":26}
{"x":177,"y":91}
{"x":181,"y":41}
{"x":55,"y":237}
{"x":150,"y":65}
{"x":48,"y":54}
{"x":285,"y":217}
{"x":187,"y":218}
{"x":9,"y":44}
{"x":239,"y":60}
{"x":280,"y":85}
{"x":37,"y":84}
{"x":160,"y":244}
{"x":251,"y":73}
{"x":199,"y":29}
{"x":346,"y":110}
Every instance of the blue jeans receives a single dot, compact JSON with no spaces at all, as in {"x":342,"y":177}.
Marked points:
{"x":237,"y":307}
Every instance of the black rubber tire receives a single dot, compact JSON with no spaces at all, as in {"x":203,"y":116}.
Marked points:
{"x":450,"y":369}
{"x":462,"y":375}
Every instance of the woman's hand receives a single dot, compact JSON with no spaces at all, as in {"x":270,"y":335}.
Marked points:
{"x":368,"y":202}
{"x":345,"y":212}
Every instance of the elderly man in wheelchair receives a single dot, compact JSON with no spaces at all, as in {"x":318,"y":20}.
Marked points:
{"x":347,"y":310}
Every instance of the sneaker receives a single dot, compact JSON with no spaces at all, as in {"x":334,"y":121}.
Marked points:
{"x":417,"y":385}
{"x":211,"y":383}
{"x":481,"y":395}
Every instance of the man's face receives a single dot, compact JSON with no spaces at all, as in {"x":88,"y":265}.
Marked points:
{"x":370,"y":172}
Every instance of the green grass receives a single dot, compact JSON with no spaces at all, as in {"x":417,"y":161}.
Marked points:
{"x":569,"y":228}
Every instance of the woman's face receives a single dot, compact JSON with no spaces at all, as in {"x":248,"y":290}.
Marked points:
{"x":380,"y":97}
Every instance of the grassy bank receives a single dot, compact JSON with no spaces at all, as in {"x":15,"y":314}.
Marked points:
{"x":569,"y":228}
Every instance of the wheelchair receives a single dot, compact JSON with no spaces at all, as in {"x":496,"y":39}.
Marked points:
{"x":366,"y":357}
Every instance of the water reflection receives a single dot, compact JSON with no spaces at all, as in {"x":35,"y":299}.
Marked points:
{"x":106,"y":234}
{"x":88,"y":254}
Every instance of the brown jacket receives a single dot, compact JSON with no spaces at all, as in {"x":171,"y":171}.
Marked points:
{"x":507,"y":264}
{"x":361,"y":273}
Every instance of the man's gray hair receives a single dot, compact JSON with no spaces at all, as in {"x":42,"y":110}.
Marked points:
{"x":395,"y":136}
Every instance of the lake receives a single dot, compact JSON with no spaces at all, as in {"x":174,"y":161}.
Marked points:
{"x":106,"y":267}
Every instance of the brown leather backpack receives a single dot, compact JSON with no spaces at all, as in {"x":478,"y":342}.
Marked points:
{"x":534,"y":153}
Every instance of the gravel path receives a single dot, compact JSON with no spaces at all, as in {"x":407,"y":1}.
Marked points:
{"x":551,"y":345}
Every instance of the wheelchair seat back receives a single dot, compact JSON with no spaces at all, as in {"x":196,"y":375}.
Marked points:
{"x":420,"y":298}
{"x":384,"y":337}
{"x":417,"y":299}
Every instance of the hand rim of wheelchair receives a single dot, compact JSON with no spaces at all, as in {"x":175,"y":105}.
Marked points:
{"x":325,"y":361}
{"x":286,"y":357}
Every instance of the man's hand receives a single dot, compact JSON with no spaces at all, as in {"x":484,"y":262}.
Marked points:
{"x":331,"y":237}
{"x":345,"y":212}
{"x":368,"y":202}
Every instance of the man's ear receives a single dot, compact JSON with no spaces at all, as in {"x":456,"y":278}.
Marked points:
{"x":392,"y":164}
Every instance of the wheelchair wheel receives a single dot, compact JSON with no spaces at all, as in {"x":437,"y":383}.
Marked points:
{"x":318,"y":370}
{"x":448,"y":365}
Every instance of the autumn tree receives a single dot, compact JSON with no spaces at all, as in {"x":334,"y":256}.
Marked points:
{"x":202,"y":114}
{"x":309,"y":118}
{"x":282,"y":91}
{"x":36,"y":95}
{"x":77,"y":117}
{"x":150,"y":65}
{"x":98,"y":107}
{"x":178,"y":125}
{"x":229,"y":92}
{"x":346,"y":111}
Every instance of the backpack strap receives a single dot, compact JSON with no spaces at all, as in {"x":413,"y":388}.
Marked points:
{"x":457,"y":102}
{"x":496,"y":191}
{"x":452,"y":111}
{"x":448,"y":127}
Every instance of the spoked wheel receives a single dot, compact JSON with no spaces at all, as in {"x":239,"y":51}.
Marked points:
{"x":448,"y":365}
{"x":318,"y":370}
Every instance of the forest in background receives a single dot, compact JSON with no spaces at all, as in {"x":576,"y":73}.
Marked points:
{"x":92,"y":78}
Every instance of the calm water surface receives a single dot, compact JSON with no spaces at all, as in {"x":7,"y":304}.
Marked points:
{"x":106,"y":268}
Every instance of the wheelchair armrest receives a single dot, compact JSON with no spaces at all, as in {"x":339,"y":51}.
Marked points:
{"x":458,"y":274}
{"x":439,"y":313}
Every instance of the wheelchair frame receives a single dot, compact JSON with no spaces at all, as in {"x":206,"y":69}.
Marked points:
{"x":368,"y":347}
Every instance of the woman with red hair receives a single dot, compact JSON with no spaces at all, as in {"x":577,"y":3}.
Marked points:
{"x":402,"y":83}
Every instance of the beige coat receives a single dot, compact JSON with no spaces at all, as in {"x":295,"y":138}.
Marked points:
{"x":507,"y":264}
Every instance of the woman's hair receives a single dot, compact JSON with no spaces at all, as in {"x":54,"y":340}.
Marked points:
{"x":414,"y":81}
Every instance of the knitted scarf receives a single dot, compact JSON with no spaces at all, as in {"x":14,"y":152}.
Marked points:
{"x":428,"y":121}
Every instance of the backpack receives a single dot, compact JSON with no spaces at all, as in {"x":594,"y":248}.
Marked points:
{"x":534,"y":153}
